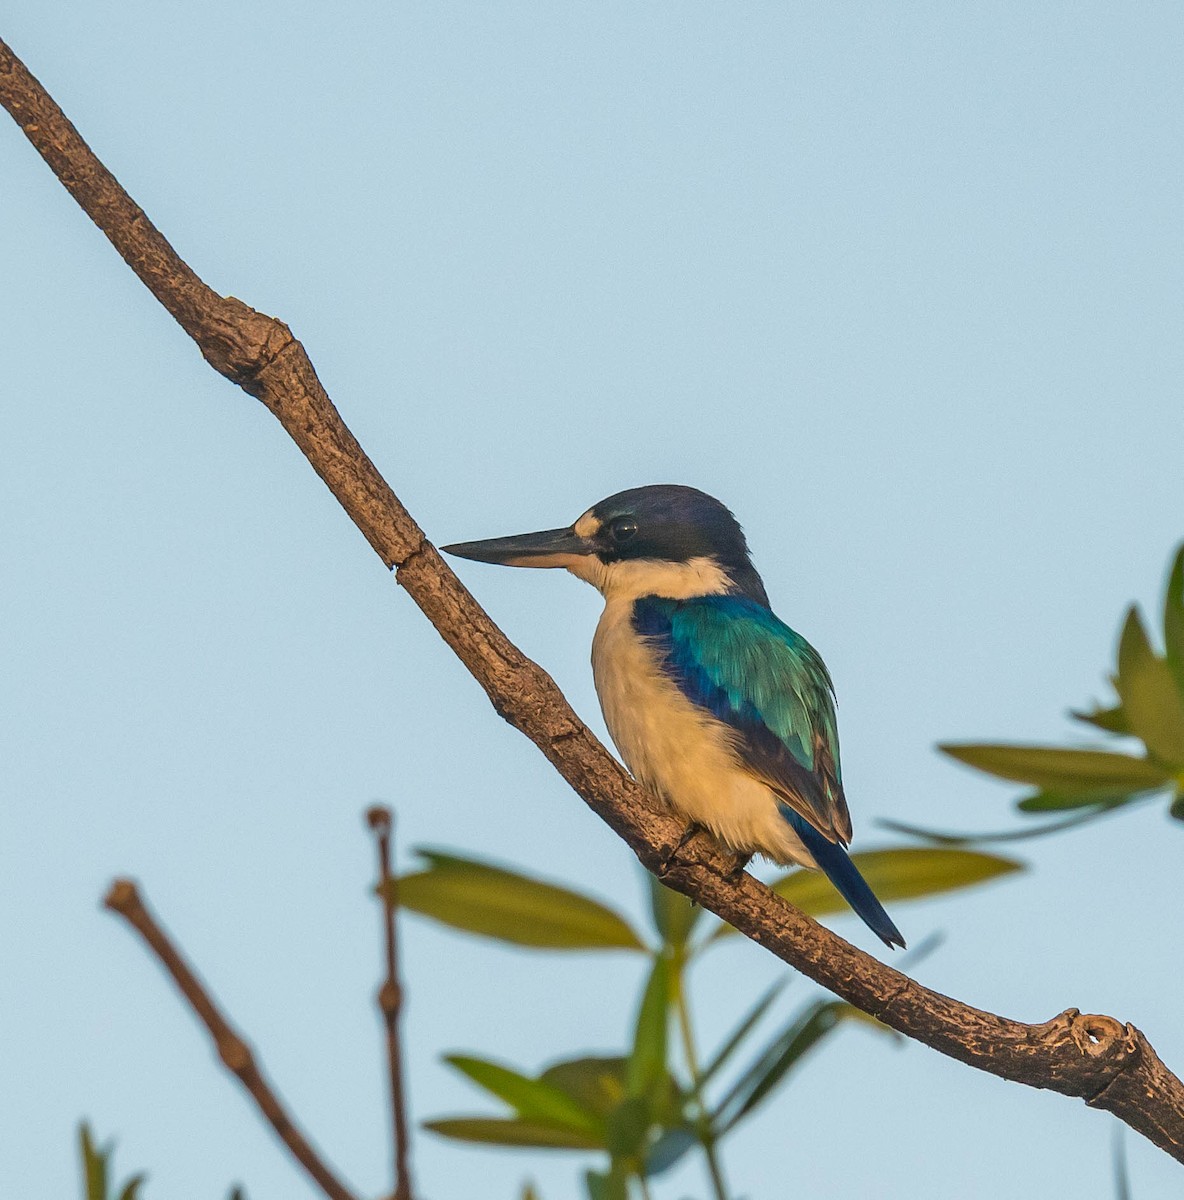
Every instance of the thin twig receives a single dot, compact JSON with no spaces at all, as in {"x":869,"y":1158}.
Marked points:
{"x":1109,"y":1064}
{"x":124,"y":899}
{"x":690,"y":1053}
{"x":390,"y":999}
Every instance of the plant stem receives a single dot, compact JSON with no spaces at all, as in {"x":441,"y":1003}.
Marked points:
{"x":390,"y":1001}
{"x":703,"y":1125}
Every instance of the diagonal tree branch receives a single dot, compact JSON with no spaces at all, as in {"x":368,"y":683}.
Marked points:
{"x":124,"y":899}
{"x":1108,"y":1064}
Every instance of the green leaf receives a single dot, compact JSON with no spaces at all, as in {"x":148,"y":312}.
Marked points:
{"x":498,"y":903}
{"x":512,"y":1131}
{"x":1055,"y":801}
{"x":1112,"y":720}
{"x":1005,"y":835}
{"x":131,"y":1189}
{"x":1173,"y":619}
{"x":848,"y":1012}
{"x":740,"y":1033}
{"x":1062,"y":770}
{"x":903,"y":873}
{"x":1150,"y":698}
{"x":528,"y":1192}
{"x":647,"y":1062}
{"x":674,"y":915}
{"x":531,"y":1098}
{"x":611,"y":1185}
{"x":94,"y":1164}
{"x":628,"y":1125}
{"x":595,"y":1084}
{"x":1177,"y":808}
{"x":805,"y":1031}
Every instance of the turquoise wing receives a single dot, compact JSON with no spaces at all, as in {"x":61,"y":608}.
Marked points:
{"x":733,"y":657}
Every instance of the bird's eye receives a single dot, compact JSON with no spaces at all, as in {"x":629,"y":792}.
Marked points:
{"x":623,"y":528}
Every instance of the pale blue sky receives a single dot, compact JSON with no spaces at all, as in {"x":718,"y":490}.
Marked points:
{"x":901,"y":284}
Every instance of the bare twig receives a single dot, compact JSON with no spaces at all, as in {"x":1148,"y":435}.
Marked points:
{"x":124,"y":899}
{"x":1096,"y":1058}
{"x":390,"y":999}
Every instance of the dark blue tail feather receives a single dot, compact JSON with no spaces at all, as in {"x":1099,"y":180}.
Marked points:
{"x":840,"y":870}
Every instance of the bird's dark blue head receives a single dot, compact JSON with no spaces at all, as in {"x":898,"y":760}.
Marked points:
{"x":664,"y":539}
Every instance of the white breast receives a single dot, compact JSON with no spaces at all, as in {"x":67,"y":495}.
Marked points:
{"x":678,"y":750}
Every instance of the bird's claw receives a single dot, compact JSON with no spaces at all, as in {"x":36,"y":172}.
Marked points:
{"x":738,"y":868}
{"x":669,"y":862}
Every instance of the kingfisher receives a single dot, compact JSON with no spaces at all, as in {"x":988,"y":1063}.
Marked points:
{"x":717,"y":707}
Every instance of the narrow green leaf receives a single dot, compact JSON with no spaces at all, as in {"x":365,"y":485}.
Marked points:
{"x":1003,"y":835}
{"x":740,"y":1033}
{"x":1112,"y":720}
{"x":595,"y":1084}
{"x":498,"y":903}
{"x":1150,"y":697}
{"x":94,"y":1164}
{"x":1050,"y":801}
{"x":647,"y":1061}
{"x":628,"y":1125}
{"x":674,"y":915}
{"x":895,"y":875}
{"x":672,"y":1146}
{"x":131,"y":1189}
{"x":531,"y":1098}
{"x":1177,"y":808}
{"x":607,"y":1185}
{"x":1061,"y":770}
{"x":1173,"y":619}
{"x":848,"y":1012}
{"x":805,"y":1030}
{"x":512,"y":1131}
{"x":904,"y":873}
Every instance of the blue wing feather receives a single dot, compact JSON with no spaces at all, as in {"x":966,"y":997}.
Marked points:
{"x":733,"y":657}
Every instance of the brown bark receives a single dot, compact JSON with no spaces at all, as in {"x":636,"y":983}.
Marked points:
{"x":236,"y":1055}
{"x":390,"y":999}
{"x":1099,"y":1059}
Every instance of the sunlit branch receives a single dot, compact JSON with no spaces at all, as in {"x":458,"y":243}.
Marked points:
{"x":236,"y":1055}
{"x":1108,"y":1064}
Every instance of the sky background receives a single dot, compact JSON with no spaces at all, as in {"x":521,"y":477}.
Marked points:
{"x":902,"y":284}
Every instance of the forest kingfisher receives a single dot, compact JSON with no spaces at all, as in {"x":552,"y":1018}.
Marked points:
{"x":716,"y":706}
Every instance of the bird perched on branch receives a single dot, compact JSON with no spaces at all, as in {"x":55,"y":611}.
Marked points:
{"x":715,"y":704}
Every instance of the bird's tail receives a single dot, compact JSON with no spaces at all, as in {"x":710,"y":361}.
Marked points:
{"x":841,"y":871}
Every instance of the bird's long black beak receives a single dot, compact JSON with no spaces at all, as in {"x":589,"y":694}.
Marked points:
{"x":550,"y":548}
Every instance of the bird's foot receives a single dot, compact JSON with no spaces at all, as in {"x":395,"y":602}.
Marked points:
{"x":671,"y":859}
{"x":738,"y":867}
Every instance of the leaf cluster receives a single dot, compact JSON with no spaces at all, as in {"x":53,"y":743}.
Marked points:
{"x":1149,"y":707}
{"x":96,"y":1172}
{"x":643,"y":1109}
